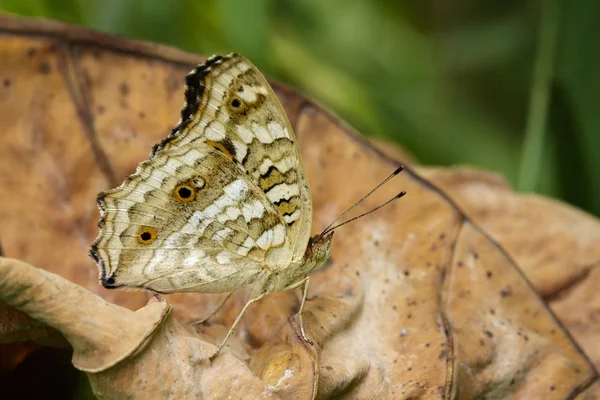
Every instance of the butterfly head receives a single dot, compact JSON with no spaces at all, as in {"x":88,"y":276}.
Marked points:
{"x":319,"y":249}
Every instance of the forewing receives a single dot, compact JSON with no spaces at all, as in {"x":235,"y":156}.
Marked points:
{"x":187,"y":220}
{"x":231,"y":107}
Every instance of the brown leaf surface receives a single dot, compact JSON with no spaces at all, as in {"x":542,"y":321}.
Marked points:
{"x":556,"y":245}
{"x":421,"y":299}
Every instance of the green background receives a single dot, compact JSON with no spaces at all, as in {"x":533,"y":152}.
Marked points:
{"x":508,"y":86}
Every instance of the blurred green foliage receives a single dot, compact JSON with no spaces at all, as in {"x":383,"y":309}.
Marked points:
{"x":510,"y":86}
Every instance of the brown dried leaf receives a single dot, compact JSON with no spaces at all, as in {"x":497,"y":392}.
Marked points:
{"x":555,"y":244}
{"x":592,"y":393}
{"x":419,"y":300}
{"x":145,"y":353}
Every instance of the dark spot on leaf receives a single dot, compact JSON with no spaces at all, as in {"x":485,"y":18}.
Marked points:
{"x":475,"y":256}
{"x":442,"y":355}
{"x":142,"y":115}
{"x":481,"y":342}
{"x":505,"y":292}
{"x":427,"y":344}
{"x":552,"y":388}
{"x":173,"y":84}
{"x":6,"y":82}
{"x":406,"y":273}
{"x":409,"y":316}
{"x":459,"y":264}
{"x":45,"y":68}
{"x":488,"y":274}
{"x":236,"y":103}
{"x":488,"y":334}
{"x":442,"y":236}
{"x":124,"y":89}
{"x":31,"y":52}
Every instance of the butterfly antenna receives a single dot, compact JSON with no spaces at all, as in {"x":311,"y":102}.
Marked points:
{"x":326,"y":231}
{"x":396,"y":172}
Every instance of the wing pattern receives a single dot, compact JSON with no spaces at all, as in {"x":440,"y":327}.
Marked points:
{"x":187,"y":220}
{"x":222,"y":201}
{"x":230,"y":106}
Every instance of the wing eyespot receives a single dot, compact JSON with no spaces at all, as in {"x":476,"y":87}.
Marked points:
{"x":238,"y":105}
{"x":186,"y":191}
{"x":146,"y":235}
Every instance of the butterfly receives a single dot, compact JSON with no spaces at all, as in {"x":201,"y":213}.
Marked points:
{"x":222,"y":203}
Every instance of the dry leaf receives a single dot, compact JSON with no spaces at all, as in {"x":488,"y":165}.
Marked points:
{"x":555,"y":245}
{"x":421,"y":299}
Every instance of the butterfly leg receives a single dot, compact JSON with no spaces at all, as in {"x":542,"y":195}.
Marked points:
{"x":235,"y":324}
{"x":305,"y":282}
{"x":203,"y":320}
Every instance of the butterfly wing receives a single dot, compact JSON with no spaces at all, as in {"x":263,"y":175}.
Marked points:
{"x":187,"y":220}
{"x":222,"y":201}
{"x":231,"y":107}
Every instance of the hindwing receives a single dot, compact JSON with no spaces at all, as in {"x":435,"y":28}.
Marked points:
{"x":187,"y":220}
